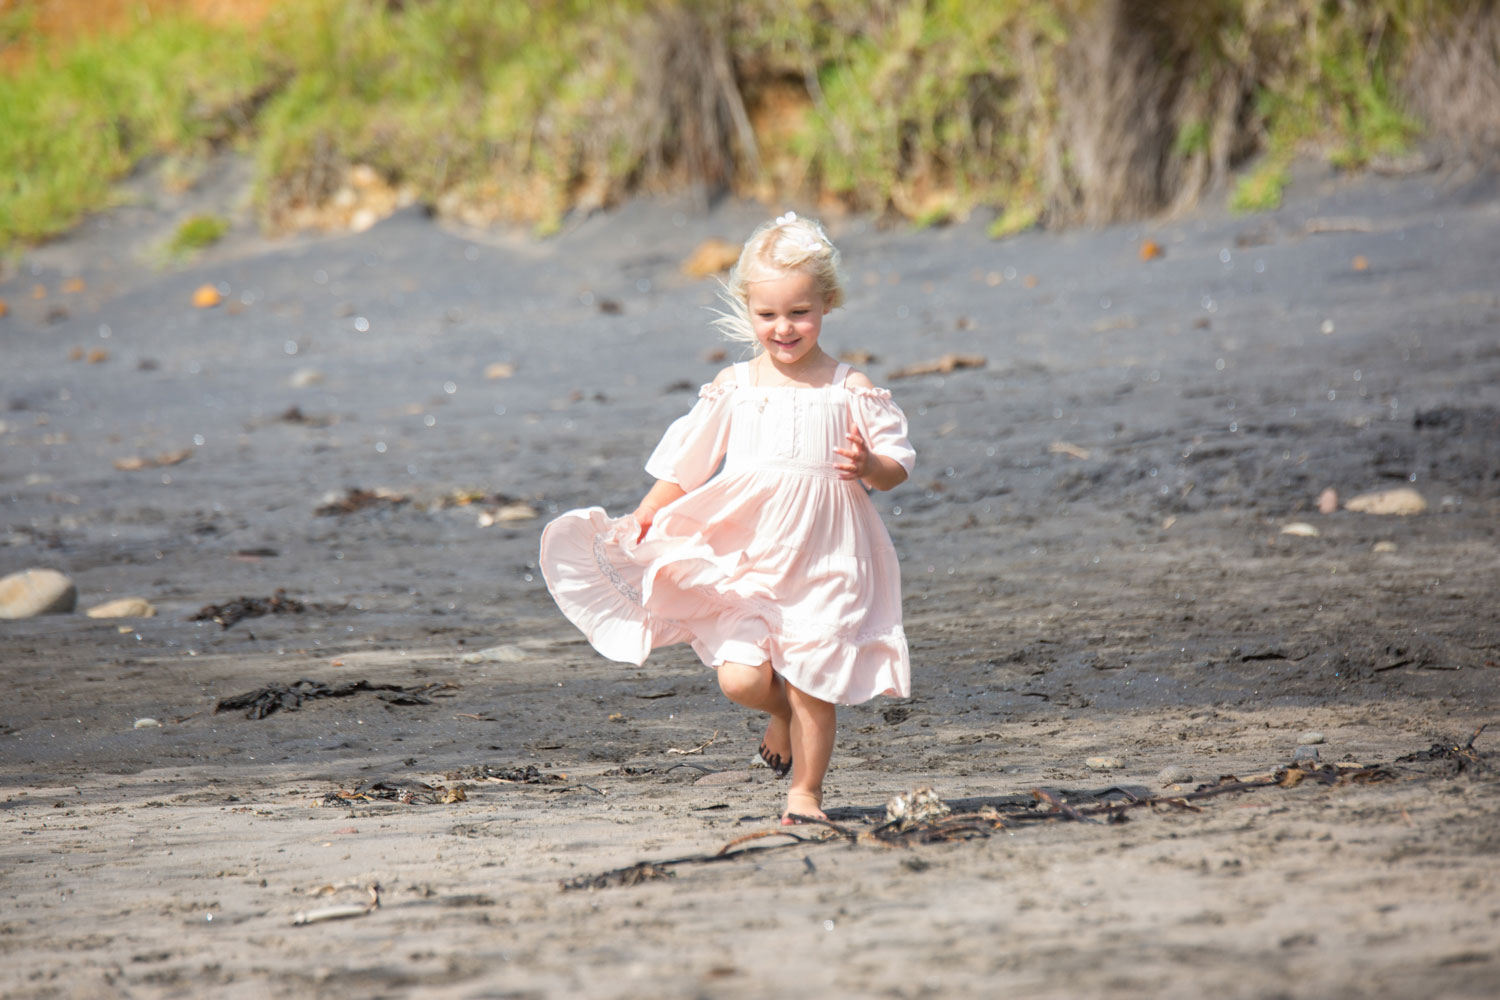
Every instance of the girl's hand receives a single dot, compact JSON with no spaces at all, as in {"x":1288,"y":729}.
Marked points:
{"x":663,"y":493}
{"x":644,"y":516}
{"x":875,"y":471}
{"x":857,"y":458}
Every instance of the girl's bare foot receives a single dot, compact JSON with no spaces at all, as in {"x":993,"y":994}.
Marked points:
{"x":806,"y":804}
{"x":776,"y":746}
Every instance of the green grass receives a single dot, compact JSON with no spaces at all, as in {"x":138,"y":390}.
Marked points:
{"x":525,"y":111}
{"x":74,"y":122}
{"x":197,"y":233}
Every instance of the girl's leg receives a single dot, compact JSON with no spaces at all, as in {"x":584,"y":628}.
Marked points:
{"x":759,"y":687}
{"x":813,"y":721}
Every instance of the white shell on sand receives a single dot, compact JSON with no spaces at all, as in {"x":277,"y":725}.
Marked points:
{"x":147,"y":723}
{"x":1301,"y":528}
{"x":1402,"y":500}
{"x":123,"y":607}
{"x":34,"y":592}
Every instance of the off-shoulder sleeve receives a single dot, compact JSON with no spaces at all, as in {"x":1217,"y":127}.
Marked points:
{"x":883,"y":424}
{"x":694,"y":445}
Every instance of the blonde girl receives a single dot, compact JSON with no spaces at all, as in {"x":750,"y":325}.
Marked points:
{"x":777,"y":569}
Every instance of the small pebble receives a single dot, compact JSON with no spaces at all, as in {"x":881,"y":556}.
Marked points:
{"x":147,"y":723}
{"x":1305,"y":755}
{"x":1174,"y":774}
{"x":1309,"y":738}
{"x":1103,"y":763}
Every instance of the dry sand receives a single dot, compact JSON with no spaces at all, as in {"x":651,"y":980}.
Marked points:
{"x":1094,"y":566}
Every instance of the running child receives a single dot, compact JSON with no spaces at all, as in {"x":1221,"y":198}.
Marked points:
{"x":777,"y":569}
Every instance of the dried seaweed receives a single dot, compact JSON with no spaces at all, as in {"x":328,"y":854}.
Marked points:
{"x":528,"y":775}
{"x":1041,"y":806}
{"x":406,"y":793}
{"x":1456,"y":756}
{"x":357,"y":499}
{"x":273,"y":697}
{"x":249,"y":607}
{"x":635,"y":874}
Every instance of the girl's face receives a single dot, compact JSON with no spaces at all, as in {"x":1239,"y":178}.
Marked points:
{"x":787,"y":316}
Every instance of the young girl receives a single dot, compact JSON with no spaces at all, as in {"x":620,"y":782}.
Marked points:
{"x":777,"y":570}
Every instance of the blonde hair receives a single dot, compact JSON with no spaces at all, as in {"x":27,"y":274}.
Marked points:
{"x":783,"y":246}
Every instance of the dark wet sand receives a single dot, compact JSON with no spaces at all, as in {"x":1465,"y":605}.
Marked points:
{"x":1140,"y":602}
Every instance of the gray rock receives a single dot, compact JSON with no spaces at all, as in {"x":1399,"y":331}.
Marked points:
{"x":33,"y":592}
{"x":1309,"y":738}
{"x":1305,"y":755}
{"x":1174,"y":774}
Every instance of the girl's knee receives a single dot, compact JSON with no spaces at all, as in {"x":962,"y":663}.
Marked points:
{"x":741,"y":682}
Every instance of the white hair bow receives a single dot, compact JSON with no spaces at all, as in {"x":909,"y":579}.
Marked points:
{"x":808,"y":237}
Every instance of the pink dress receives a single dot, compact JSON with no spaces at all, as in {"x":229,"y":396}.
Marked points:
{"x":775,"y":558}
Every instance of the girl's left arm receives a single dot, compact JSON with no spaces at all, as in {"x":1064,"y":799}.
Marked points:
{"x":861,"y":463}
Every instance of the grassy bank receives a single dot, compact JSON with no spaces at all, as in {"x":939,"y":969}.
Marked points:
{"x":491,"y":110}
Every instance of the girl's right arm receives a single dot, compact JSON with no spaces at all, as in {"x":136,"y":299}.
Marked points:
{"x":663,"y":493}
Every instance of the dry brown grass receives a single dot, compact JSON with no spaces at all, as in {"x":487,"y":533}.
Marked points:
{"x":1132,"y":81}
{"x":1452,"y":81}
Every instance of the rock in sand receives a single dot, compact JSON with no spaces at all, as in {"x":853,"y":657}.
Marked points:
{"x":33,"y":592}
{"x":123,"y":607}
{"x":1174,"y":774}
{"x":1103,"y":763}
{"x":1401,"y":501}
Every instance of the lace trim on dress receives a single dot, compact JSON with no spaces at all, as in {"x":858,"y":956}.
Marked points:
{"x":711,"y":391}
{"x":873,"y":392}
{"x":613,"y":575}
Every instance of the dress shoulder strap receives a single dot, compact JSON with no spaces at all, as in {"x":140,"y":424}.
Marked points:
{"x":840,"y":373}
{"x":742,"y":373}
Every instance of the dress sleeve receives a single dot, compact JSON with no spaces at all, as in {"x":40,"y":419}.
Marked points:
{"x":691,"y":449}
{"x":883,"y":424}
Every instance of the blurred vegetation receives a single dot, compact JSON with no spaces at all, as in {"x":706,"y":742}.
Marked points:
{"x":503,"y":110}
{"x":197,"y":232}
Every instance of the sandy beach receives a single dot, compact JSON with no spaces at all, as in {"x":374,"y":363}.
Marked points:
{"x":1099,"y":561}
